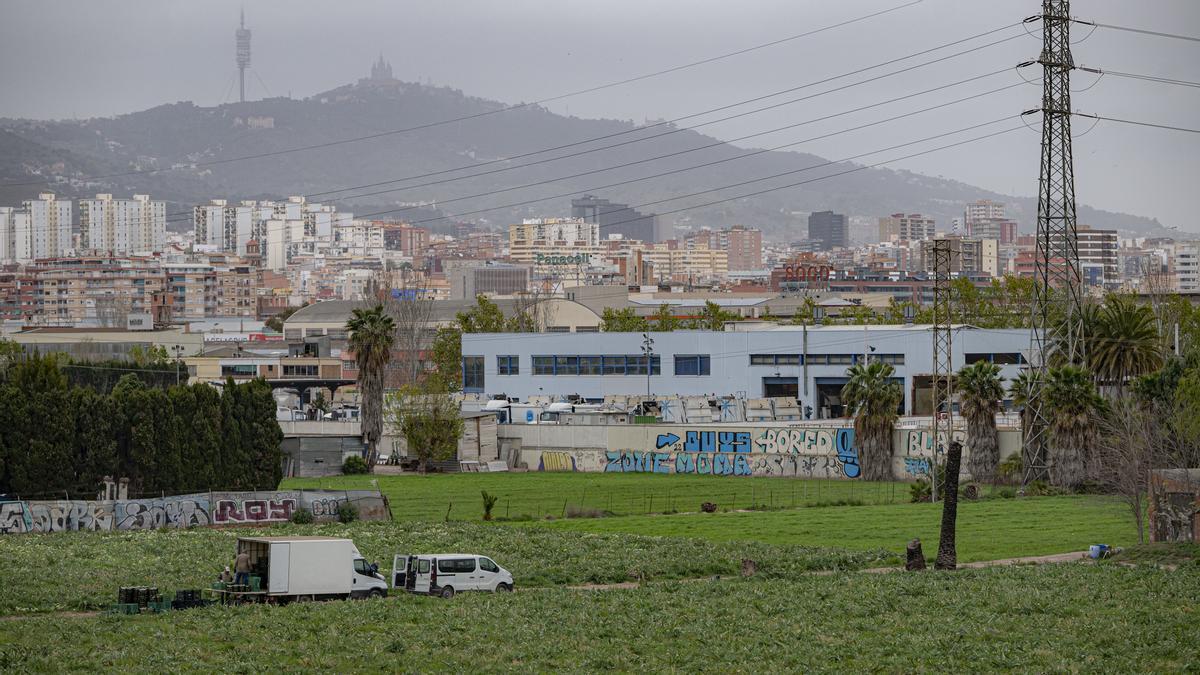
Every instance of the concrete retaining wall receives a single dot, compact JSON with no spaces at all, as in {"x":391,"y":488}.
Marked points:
{"x":180,"y":511}
{"x":809,"y":450}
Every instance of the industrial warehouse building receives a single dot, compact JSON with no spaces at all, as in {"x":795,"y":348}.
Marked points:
{"x":757,"y":360}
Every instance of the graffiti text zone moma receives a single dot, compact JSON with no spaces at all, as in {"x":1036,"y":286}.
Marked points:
{"x":813,"y":452}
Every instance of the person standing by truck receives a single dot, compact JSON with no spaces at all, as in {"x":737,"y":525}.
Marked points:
{"x":241,"y":565}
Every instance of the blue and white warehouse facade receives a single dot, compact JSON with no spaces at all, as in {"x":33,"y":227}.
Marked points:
{"x":767,"y":361}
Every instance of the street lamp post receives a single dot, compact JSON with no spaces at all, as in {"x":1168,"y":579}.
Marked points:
{"x":648,"y":350}
{"x":178,"y":350}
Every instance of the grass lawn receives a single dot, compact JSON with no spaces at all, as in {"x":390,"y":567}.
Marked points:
{"x":987,"y":530}
{"x":538,"y":494}
{"x":1074,"y":617}
{"x":83,"y":570}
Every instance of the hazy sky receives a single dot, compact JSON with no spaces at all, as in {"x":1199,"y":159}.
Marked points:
{"x":84,"y":58}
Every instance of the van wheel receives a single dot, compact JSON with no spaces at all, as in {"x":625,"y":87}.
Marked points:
{"x":504,"y":588}
{"x":447,"y":592}
{"x":375,"y":594}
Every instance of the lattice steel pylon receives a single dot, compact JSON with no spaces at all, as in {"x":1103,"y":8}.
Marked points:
{"x":1057,"y":320}
{"x":943,"y":364}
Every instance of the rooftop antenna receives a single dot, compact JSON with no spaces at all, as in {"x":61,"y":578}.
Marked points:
{"x":243,"y":55}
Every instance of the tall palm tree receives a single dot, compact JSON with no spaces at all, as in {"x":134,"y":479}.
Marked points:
{"x":372,"y":333}
{"x":1071,"y":401}
{"x":979,"y":386}
{"x":1126,"y":343}
{"x":871,"y":397}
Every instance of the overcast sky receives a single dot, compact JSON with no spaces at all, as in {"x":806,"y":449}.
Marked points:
{"x":85,"y":58}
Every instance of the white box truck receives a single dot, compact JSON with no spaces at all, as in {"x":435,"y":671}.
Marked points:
{"x":311,"y":568}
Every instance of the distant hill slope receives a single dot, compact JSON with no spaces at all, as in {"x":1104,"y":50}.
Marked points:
{"x":67,"y":153}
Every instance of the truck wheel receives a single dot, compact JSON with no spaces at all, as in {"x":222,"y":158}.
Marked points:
{"x":447,"y":592}
{"x":375,"y":594}
{"x":504,"y":588}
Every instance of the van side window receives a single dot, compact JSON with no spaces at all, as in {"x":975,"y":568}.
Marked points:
{"x":360,"y":566}
{"x":456,"y":565}
{"x":422,"y":567}
{"x":487,"y":565}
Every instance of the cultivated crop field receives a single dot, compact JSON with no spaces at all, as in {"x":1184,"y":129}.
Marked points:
{"x":82,"y":570}
{"x":1073,"y":617}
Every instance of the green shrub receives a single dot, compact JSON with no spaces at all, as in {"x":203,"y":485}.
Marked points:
{"x":347,"y":512}
{"x":354,"y":465}
{"x":302,"y":516}
{"x":1006,"y":493}
{"x":489,"y":503}
{"x":1010,"y":470}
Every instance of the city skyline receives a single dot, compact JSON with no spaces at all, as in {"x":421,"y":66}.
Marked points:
{"x":1106,"y":157}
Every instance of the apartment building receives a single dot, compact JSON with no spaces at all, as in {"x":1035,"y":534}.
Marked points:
{"x":97,"y":290}
{"x":1186,"y":268}
{"x":41,"y":228}
{"x":967,"y":254}
{"x":906,"y":227}
{"x":985,"y":219}
{"x":122,"y":226}
{"x":742,"y":244}
{"x":225,"y":226}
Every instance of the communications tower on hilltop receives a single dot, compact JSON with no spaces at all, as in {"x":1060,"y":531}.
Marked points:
{"x":242,"y":36}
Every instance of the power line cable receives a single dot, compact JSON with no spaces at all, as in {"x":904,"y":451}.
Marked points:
{"x":519,"y":106}
{"x":745,"y":155}
{"x":1174,"y":36}
{"x":1136,"y":76}
{"x":1134,"y":122}
{"x":724,"y":187}
{"x":181,"y":216}
{"x":690,"y":116}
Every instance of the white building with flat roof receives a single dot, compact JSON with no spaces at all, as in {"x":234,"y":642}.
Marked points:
{"x":774,"y":361}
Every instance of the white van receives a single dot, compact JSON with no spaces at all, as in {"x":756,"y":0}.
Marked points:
{"x":445,"y":574}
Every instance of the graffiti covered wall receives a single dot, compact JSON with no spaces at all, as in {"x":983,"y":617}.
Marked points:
{"x":805,"y":451}
{"x":182,"y":511}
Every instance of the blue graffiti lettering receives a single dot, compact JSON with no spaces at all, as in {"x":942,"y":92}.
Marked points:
{"x":664,"y":440}
{"x":700,"y":441}
{"x":916,"y":466}
{"x":847,"y":453}
{"x":731,"y":441}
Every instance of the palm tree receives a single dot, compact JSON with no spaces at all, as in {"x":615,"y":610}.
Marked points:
{"x":372,"y":333}
{"x":979,"y":386}
{"x":1071,"y":401}
{"x":871,"y":397}
{"x":1126,"y":343}
{"x":1022,"y":391}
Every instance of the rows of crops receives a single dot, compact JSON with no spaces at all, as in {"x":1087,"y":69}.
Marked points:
{"x":1073,"y":617}
{"x":82,"y":570}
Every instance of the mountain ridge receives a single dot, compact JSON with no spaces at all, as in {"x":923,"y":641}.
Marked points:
{"x":186,"y":135}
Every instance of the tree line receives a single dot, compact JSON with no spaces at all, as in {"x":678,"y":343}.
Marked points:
{"x":61,"y":439}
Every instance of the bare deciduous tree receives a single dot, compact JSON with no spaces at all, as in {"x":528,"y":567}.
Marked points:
{"x":1132,"y":441}
{"x":411,"y":308}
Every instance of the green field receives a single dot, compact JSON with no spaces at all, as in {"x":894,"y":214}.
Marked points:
{"x":538,"y":494}
{"x":1074,"y":617}
{"x":987,"y":530}
{"x":82,"y":570}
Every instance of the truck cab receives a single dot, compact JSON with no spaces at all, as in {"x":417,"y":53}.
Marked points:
{"x":445,"y":574}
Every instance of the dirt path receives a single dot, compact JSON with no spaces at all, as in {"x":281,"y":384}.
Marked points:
{"x":1029,"y":560}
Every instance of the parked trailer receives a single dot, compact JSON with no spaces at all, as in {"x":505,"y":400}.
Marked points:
{"x":310,"y":568}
